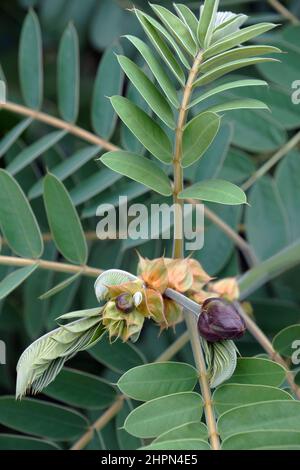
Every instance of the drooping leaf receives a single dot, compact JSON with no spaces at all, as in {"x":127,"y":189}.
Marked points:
{"x":30,"y":61}
{"x":33,"y":151}
{"x":148,"y":90}
{"x":147,"y":131}
{"x":66,"y":168}
{"x":221,"y":359}
{"x":139,"y":169}
{"x":14,"y":279}
{"x":109,"y":81}
{"x":12,"y":136}
{"x":61,"y":286}
{"x":151,"y":381}
{"x":17,"y":220}
{"x":68,"y":74}
{"x":15,"y":442}
{"x":64,"y":222}
{"x":198,"y":136}
{"x":219,"y":191}
{"x":92,"y":185}
{"x":41,"y":419}
{"x":117,"y":356}
{"x":80,"y":389}
{"x":157,"y":416}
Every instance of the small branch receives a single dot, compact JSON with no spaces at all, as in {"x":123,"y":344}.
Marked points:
{"x":99,"y":424}
{"x":50,"y":265}
{"x":284,"y":11}
{"x":272,"y":161}
{"x":239,"y":242}
{"x":59,"y":124}
{"x":195,"y":340}
{"x":262,"y":339}
{"x":171,"y":351}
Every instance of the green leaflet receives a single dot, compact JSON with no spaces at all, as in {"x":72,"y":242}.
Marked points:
{"x":17,"y":220}
{"x":207,"y":21}
{"x":198,"y":135}
{"x":239,"y":53}
{"x":151,"y":381}
{"x":147,"y":131}
{"x":228,"y":27}
{"x":33,"y":151}
{"x":189,"y":19}
{"x":64,"y":222}
{"x":229,"y":396}
{"x":109,"y":81}
{"x":61,"y":286}
{"x":12,"y":136}
{"x":148,"y":90}
{"x":43,"y":419}
{"x":31,"y":61}
{"x":238,"y":38}
{"x":178,"y":444}
{"x":219,"y":191}
{"x":238,"y":104}
{"x":161,"y":46}
{"x":229,"y":67}
{"x":14,"y":279}
{"x":158,"y":71}
{"x":287,"y":341}
{"x":68,"y":74}
{"x":140,"y":169}
{"x":226,"y":87}
{"x":162,"y":414}
{"x":176,"y":27}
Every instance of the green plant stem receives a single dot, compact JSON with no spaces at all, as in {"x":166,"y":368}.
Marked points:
{"x":284,"y":11}
{"x":178,"y":251}
{"x":59,"y":124}
{"x":290,"y":145}
{"x":99,"y":424}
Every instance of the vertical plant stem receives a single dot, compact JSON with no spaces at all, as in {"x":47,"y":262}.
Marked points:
{"x":178,"y":172}
{"x":195,"y":340}
{"x":178,"y":252}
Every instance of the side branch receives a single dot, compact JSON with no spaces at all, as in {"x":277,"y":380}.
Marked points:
{"x":59,"y":124}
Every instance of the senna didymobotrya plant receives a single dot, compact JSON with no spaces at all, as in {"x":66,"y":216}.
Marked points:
{"x":189,"y":58}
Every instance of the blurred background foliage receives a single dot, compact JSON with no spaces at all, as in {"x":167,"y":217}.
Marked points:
{"x":246,"y":141}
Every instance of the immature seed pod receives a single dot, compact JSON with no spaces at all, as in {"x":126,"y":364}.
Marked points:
{"x":219,"y":320}
{"x":124,"y":303}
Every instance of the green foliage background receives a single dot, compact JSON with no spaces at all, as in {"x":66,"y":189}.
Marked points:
{"x":246,"y":141}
